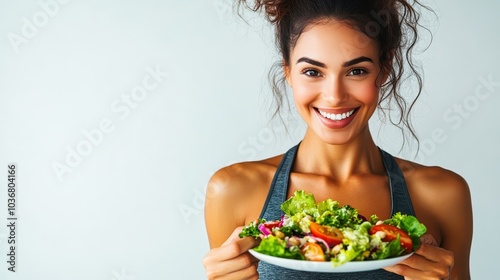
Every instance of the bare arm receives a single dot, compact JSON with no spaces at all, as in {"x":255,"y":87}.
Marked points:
{"x":221,"y":213}
{"x":224,"y":216}
{"x":442,"y":198}
{"x":455,"y":215}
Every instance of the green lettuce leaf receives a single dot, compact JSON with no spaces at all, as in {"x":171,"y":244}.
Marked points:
{"x":357,"y":242}
{"x":300,"y":202}
{"x":252,"y":229}
{"x":274,"y":246}
{"x":339,"y":217}
{"x":392,"y":249}
{"x":411,"y":225}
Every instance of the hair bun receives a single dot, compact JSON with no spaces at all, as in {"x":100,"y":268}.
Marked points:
{"x":275,"y":9}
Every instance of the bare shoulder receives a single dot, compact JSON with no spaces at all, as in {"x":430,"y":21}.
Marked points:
{"x":235,"y":195}
{"x":442,"y":201}
{"x":241,"y":179}
{"x":433,"y":180}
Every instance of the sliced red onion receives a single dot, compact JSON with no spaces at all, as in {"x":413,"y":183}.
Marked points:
{"x":264,"y":229}
{"x":317,"y":239}
{"x":281,"y":221}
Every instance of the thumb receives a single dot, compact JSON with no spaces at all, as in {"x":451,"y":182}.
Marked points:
{"x":428,"y":239}
{"x":234,"y":236}
{"x":244,"y":244}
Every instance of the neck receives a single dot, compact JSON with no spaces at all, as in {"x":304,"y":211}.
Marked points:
{"x":359,"y":156}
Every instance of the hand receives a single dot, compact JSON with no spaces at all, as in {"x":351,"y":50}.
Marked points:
{"x":428,"y":262}
{"x":232,"y":260}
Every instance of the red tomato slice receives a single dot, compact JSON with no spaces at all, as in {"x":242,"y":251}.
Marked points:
{"x":391,"y":233}
{"x":331,"y":235}
{"x":271,"y":224}
{"x":313,"y":252}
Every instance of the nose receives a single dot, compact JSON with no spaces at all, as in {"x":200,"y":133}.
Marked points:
{"x":334,"y":91}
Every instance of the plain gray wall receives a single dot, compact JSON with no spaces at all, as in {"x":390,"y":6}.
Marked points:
{"x":118,"y":112}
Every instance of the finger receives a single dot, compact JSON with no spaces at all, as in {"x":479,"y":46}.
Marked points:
{"x":414,"y":267}
{"x":433,"y":263}
{"x":232,"y":260}
{"x":413,"y":273}
{"x":428,"y":239}
{"x":231,"y":248}
{"x":241,"y":267}
{"x":237,"y":245}
{"x":402,"y":270}
{"x":246,"y":273}
{"x":233,"y":236}
{"x":435,"y":254}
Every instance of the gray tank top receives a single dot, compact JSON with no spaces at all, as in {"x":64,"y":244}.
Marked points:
{"x":278,"y":194}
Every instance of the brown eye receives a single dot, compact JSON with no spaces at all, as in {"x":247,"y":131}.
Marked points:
{"x":311,"y":73}
{"x":357,"y":72}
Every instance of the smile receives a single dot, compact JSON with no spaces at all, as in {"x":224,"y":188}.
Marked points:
{"x":336,"y":117}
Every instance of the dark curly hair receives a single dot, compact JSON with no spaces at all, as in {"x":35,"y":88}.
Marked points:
{"x":393,"y":24}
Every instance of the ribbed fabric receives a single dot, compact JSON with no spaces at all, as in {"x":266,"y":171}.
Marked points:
{"x":401,"y":202}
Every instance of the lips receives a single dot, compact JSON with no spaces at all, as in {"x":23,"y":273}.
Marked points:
{"x":336,"y":118}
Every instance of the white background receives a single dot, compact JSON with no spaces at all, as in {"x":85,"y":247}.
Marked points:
{"x":131,"y":205}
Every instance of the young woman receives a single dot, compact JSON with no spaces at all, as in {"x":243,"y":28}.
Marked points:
{"x":342,"y":59}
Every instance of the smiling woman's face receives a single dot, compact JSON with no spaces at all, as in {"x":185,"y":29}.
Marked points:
{"x":333,"y":76}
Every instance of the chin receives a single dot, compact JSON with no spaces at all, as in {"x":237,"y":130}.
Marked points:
{"x":337,"y":139}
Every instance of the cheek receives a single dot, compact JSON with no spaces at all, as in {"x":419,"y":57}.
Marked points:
{"x":301,"y":95}
{"x":366,"y":93}
{"x":304,"y":93}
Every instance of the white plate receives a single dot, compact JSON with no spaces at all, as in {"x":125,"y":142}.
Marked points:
{"x":353,"y":266}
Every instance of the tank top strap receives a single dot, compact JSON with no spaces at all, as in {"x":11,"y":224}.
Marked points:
{"x":279,"y":186}
{"x":401,"y":201}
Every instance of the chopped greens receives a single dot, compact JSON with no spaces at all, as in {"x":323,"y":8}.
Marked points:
{"x":340,"y":231}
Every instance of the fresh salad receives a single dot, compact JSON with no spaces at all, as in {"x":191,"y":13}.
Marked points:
{"x":327,"y":231}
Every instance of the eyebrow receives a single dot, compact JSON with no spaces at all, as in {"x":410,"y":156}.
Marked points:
{"x":311,"y":61}
{"x":345,"y":64}
{"x":356,"y":61}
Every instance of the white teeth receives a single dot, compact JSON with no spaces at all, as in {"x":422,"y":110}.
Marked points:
{"x":336,"y":117}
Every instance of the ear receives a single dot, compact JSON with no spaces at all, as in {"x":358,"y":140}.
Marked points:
{"x":385,"y":72}
{"x":384,"y":76}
